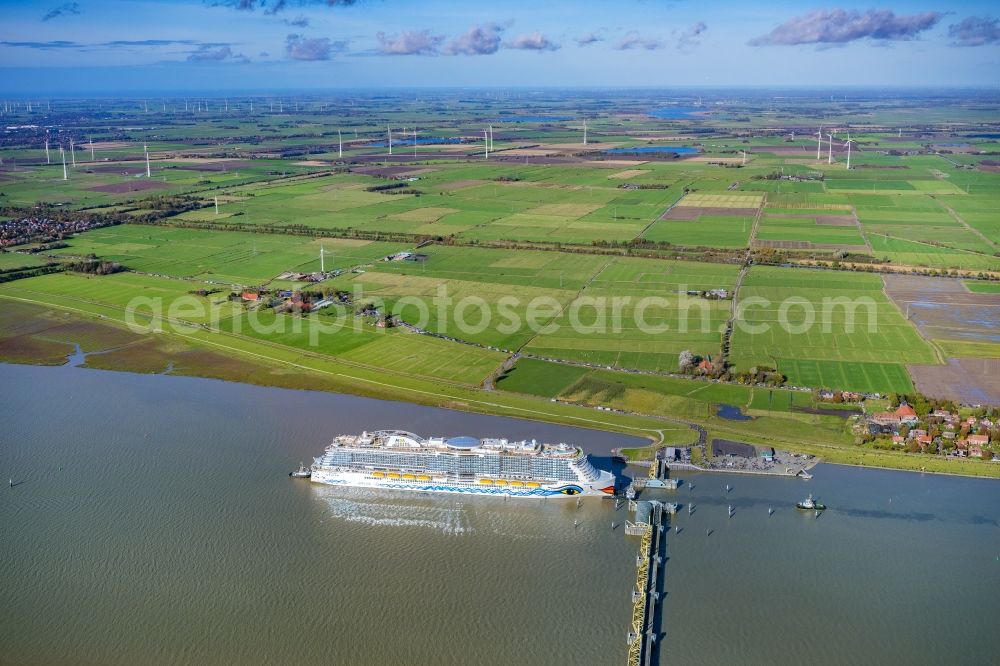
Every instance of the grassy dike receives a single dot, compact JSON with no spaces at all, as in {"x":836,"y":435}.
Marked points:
{"x":276,"y":365}
{"x":43,"y":332}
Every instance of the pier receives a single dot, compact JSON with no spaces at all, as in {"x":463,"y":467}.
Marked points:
{"x":658,"y":477}
{"x":648,"y":525}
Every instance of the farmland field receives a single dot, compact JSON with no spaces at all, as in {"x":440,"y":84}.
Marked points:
{"x":548,"y":270}
{"x":983,"y":287}
{"x":826,"y":329}
{"x":225,"y":257}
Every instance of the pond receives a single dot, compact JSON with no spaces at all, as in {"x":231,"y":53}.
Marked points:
{"x":533,"y":119}
{"x":402,"y":140}
{"x":680,"y":150}
{"x":732,"y":413}
{"x":676,"y":112}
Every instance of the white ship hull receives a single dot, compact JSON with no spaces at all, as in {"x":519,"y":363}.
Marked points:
{"x":603,"y":486}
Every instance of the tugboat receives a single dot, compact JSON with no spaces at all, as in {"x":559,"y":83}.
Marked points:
{"x":809,"y":504}
{"x":302,"y":472}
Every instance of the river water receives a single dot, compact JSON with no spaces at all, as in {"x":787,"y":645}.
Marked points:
{"x":152,"y":521}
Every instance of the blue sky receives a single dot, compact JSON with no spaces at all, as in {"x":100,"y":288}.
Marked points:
{"x":218,"y":45}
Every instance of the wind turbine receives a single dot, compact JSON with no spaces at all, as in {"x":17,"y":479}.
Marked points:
{"x":819,"y":142}
{"x":216,"y":205}
{"x":585,"y":131}
{"x":145,"y":148}
{"x":72,"y":151}
{"x":340,"y":144}
{"x":848,"y":144}
{"x":47,"y":160}
{"x":491,"y":137}
{"x":388,"y":131}
{"x":62,"y":153}
{"x":744,"y":158}
{"x":829,"y":153}
{"x":486,"y":140}
{"x":322,"y":263}
{"x":92,"y":150}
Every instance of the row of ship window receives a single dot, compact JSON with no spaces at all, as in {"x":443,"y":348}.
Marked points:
{"x":509,"y":466}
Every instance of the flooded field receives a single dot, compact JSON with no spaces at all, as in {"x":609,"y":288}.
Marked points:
{"x":942,"y":308}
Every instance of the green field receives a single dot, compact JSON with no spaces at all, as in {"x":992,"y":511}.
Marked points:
{"x":223,"y":257}
{"x":11,"y":260}
{"x":706,"y":231}
{"x":826,"y":329}
{"x":555,"y":277}
{"x":983,"y":287}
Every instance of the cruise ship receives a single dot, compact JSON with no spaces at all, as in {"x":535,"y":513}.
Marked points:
{"x":401,"y":460}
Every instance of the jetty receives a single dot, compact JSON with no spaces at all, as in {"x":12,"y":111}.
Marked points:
{"x":658,"y":477}
{"x":648,"y":526}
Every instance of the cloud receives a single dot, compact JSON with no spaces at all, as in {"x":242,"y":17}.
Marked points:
{"x":477,"y":40}
{"x":116,"y":44}
{"x":300,"y":47}
{"x":44,"y":46}
{"x":837,"y":26}
{"x":65,"y":9}
{"x":410,"y":42}
{"x":275,"y":6}
{"x":633,"y":40}
{"x":975,"y":31}
{"x":219,"y":54}
{"x":127,"y":43}
{"x":534,"y":41}
{"x":690,"y":38}
{"x":588,"y":39}
{"x":299,"y":21}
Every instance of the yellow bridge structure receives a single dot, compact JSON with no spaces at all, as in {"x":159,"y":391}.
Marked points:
{"x":642,"y":632}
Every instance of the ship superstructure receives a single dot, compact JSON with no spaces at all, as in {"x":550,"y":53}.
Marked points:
{"x":401,"y":460}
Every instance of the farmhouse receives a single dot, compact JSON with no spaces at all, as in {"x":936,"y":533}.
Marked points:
{"x":907,"y":414}
{"x":885,"y":419}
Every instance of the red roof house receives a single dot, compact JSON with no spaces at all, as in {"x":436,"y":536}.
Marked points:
{"x":906,"y":414}
{"x":885,"y":418}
